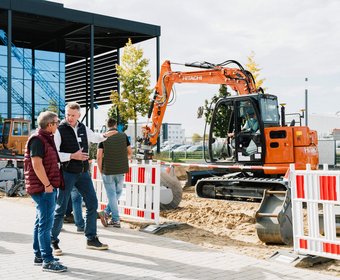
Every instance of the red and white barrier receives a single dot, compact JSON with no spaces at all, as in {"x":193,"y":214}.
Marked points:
{"x":140,"y":198}
{"x":314,"y":227}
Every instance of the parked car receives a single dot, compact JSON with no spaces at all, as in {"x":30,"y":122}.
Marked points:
{"x":196,"y":148}
{"x":182,"y":148}
{"x":170,"y":147}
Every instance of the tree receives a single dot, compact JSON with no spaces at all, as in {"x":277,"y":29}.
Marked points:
{"x":135,"y":82}
{"x":221,"y":122}
{"x":253,"y":68}
{"x":196,"y":138}
{"x":52,"y":106}
{"x":112,"y":113}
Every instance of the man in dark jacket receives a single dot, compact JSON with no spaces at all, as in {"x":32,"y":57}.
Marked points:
{"x":112,"y":159}
{"x":42,"y":176}
{"x":72,"y":141}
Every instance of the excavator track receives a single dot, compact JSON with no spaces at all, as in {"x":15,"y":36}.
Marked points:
{"x":273,"y":217}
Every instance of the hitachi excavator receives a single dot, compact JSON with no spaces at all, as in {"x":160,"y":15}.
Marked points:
{"x":255,"y":159}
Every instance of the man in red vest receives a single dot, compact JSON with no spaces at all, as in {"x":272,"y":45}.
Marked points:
{"x":42,"y":177}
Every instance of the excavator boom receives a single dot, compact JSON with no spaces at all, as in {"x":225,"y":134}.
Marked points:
{"x":240,"y":80}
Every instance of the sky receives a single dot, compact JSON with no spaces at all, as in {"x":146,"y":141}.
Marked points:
{"x":292,"y":40}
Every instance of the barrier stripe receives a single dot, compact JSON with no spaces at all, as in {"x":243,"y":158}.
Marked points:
{"x":95,"y":172}
{"x":328,"y":188}
{"x":300,"y":185}
{"x":303,"y":243}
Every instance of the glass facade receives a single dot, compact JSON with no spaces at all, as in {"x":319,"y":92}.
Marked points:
{"x":48,"y":86}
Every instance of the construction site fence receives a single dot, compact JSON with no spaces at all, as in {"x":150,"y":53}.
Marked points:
{"x":140,"y":199}
{"x":316,"y":211}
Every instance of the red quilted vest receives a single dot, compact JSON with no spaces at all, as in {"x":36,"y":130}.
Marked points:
{"x":50,"y":162}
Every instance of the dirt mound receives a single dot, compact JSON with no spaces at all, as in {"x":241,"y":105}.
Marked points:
{"x":225,"y":225}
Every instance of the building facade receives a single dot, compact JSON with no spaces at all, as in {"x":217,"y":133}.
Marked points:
{"x":33,"y":71}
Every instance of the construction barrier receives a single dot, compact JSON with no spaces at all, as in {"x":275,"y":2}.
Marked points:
{"x":316,"y":209}
{"x":140,"y":198}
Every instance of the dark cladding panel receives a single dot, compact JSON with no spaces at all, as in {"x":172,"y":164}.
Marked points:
{"x":77,"y":82}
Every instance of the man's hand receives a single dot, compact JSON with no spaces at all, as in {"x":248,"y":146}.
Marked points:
{"x":80,"y":155}
{"x":49,"y":189}
{"x":110,"y":133}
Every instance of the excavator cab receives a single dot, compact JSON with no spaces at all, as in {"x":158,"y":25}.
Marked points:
{"x":236,"y":131}
{"x":15,"y":133}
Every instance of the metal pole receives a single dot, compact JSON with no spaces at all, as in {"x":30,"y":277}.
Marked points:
{"x":9,"y":65}
{"x":157,"y":74}
{"x":306,"y":101}
{"x":92,"y":78}
{"x":118,"y":86}
{"x":33,"y":91}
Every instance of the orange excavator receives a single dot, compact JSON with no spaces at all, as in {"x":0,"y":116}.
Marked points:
{"x":247,"y":140}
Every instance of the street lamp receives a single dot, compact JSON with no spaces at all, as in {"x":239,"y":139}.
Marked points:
{"x":306,"y":101}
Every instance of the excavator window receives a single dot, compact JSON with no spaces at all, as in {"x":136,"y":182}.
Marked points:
{"x":269,"y":111}
{"x":16,"y":129}
{"x":25,"y":129}
{"x":248,"y":133}
{"x":222,"y":123}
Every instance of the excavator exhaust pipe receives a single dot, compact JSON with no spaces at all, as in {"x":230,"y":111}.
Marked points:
{"x":274,"y":218}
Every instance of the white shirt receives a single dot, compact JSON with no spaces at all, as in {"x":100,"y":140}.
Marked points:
{"x":92,"y":137}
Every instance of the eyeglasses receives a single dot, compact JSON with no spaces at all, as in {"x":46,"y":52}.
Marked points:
{"x":57,"y":122}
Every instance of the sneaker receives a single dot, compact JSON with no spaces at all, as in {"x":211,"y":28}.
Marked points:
{"x":53,"y":266}
{"x":96,"y":244}
{"x":56,"y":250}
{"x":39,"y":261}
{"x":103,"y":218}
{"x":69,"y":219}
{"x":116,"y":224}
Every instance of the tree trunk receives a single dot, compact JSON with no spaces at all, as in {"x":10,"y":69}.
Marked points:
{"x":135,"y":122}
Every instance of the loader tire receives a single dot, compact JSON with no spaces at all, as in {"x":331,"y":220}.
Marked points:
{"x":171,"y":182}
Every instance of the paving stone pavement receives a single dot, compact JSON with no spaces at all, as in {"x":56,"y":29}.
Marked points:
{"x":132,"y":255}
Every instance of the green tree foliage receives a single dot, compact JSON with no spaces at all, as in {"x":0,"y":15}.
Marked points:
{"x":196,"y":138}
{"x":112,"y":113}
{"x":223,"y":115}
{"x":52,"y":106}
{"x":253,"y":68}
{"x":135,"y":82}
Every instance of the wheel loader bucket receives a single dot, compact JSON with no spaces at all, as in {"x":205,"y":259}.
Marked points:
{"x":274,"y":218}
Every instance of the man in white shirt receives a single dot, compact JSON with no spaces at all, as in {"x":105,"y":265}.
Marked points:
{"x":72,"y":140}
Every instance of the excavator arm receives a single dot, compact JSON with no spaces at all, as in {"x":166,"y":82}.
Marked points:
{"x":238,"y":79}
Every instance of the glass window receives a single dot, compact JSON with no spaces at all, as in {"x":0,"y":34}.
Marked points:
{"x":25,"y":128}
{"x":3,"y":61}
{"x":17,"y":73}
{"x":269,"y":110}
{"x":46,"y":55}
{"x":16,"y":129}
{"x":3,"y":50}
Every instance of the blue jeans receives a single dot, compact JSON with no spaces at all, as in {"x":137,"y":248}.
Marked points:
{"x":77,"y":202}
{"x":83,"y":183}
{"x":45,"y":205}
{"x":113,"y":185}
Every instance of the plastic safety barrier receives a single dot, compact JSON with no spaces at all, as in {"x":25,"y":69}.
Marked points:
{"x":316,"y":211}
{"x":140,"y":198}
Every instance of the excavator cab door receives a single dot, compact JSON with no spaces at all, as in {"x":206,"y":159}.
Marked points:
{"x":219,"y":125}
{"x":248,"y":131}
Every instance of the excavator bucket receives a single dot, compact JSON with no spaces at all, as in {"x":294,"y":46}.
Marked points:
{"x":274,"y":218}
